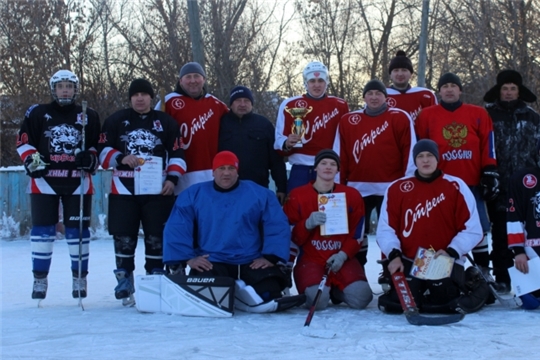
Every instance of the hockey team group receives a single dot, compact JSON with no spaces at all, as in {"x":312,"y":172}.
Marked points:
{"x":440,"y":175}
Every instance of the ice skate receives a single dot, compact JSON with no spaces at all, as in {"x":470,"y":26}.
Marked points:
{"x":39,"y":290}
{"x":125,"y":289}
{"x":79,"y":285}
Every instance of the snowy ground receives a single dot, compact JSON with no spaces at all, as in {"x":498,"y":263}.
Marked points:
{"x":106,"y":330}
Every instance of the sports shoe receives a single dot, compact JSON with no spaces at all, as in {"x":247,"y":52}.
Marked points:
{"x":125,"y":287}
{"x":384,"y":277}
{"x":39,"y":290}
{"x":79,"y":284}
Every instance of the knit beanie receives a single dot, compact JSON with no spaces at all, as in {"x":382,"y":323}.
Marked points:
{"x":426,"y":145}
{"x":401,"y":61}
{"x":326,"y":154}
{"x":374,"y":85}
{"x":240,"y":92}
{"x":192,"y":68}
{"x":140,"y":86}
{"x":224,"y":158}
{"x":449,"y":78}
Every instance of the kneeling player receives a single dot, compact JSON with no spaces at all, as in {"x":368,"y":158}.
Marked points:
{"x":233,"y":228}
{"x":346,"y":278}
{"x":431,"y":210}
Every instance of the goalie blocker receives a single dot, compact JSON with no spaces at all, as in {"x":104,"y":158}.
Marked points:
{"x":204,"y":296}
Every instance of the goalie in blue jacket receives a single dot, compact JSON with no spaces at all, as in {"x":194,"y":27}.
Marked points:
{"x":233,"y":228}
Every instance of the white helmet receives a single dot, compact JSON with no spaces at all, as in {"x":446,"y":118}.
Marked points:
{"x":315,"y":70}
{"x":64,"y":75}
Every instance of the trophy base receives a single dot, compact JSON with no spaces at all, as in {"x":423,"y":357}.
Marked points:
{"x":298,"y":145}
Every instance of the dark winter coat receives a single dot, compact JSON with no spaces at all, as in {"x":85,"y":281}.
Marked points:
{"x":517,"y":129}
{"x":251,"y":138}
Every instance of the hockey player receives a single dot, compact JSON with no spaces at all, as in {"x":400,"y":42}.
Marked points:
{"x":50,"y":146}
{"x":523,"y":212}
{"x":198,"y":114}
{"x":431,"y":210}
{"x":464,"y":134}
{"x":516,"y":127}
{"x":401,"y":94}
{"x":362,"y":137}
{"x":346,"y":280}
{"x":320,"y":123}
{"x":130,"y":138}
{"x":233,"y":228}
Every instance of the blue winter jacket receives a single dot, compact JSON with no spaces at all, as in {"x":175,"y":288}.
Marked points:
{"x":233,"y":227}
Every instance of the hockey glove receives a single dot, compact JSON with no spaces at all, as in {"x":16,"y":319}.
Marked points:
{"x":86,"y":160}
{"x":316,"y":218}
{"x":490,"y":184}
{"x":335,"y":262}
{"x":35,"y":166}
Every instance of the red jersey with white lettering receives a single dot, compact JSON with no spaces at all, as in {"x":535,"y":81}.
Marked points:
{"x":320,"y":126}
{"x":199,"y":127}
{"x":302,"y":201}
{"x":465,"y":139}
{"x":437,"y":214}
{"x":374,"y":150}
{"x":411,"y":101}
{"x":523,"y":209}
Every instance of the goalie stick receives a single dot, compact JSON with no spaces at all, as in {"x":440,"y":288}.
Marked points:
{"x":510,"y":302}
{"x":411,"y":311}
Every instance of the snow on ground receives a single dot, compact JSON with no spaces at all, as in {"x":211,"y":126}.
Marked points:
{"x":106,"y":330}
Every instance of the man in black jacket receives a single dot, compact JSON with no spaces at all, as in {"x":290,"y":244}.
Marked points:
{"x":517,"y":128}
{"x":251,"y":138}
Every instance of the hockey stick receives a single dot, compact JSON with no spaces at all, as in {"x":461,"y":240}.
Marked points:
{"x":162,"y":96}
{"x":409,"y":305}
{"x":316,"y":300}
{"x":81,"y":203}
{"x":511,"y":302}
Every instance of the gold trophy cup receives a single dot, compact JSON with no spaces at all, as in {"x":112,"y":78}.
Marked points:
{"x":298,"y":127}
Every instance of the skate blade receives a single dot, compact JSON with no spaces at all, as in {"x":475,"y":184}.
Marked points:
{"x":129,"y":301}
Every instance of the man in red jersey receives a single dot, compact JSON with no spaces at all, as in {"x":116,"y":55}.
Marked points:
{"x":346,"y":280}
{"x":319,"y":124}
{"x":436,"y":211}
{"x":401,"y":94}
{"x":362,"y":138}
{"x":464,"y":134}
{"x":198,"y":113}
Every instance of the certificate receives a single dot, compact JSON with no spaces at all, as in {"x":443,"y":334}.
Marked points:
{"x":148,"y":176}
{"x":334,"y":205}
{"x":426,"y":267}
{"x":526,"y":283}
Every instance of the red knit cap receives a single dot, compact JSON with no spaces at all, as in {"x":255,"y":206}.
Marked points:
{"x":225,"y":158}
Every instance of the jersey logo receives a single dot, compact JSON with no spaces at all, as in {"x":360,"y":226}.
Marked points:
{"x":535,"y":200}
{"x":47,"y":117}
{"x":391,"y":102}
{"x":141,"y":142}
{"x":157,"y":126}
{"x":126,"y":123}
{"x":64,"y":139}
{"x":355,"y":119}
{"x":406,"y":186}
{"x":22,"y":139}
{"x":102,"y":138}
{"x":511,"y":207}
{"x":80,"y":120}
{"x":301,"y":104}
{"x":178,"y":103}
{"x":455,"y":134}
{"x":529,"y":181}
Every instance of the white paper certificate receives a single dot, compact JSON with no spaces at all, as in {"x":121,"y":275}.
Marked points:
{"x":148,"y":176}
{"x":526,"y":283}
{"x":426,"y":267}
{"x":334,"y":205}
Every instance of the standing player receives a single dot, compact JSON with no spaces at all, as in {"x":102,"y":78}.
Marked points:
{"x":50,"y":145}
{"x":464,"y":134}
{"x":131,"y":137}
{"x":401,"y":94}
{"x":198,"y":114}
{"x":346,"y":281}
{"x":320,"y":123}
{"x":362,"y":137}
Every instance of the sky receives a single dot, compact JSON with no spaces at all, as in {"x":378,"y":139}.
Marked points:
{"x":107,"y":330}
